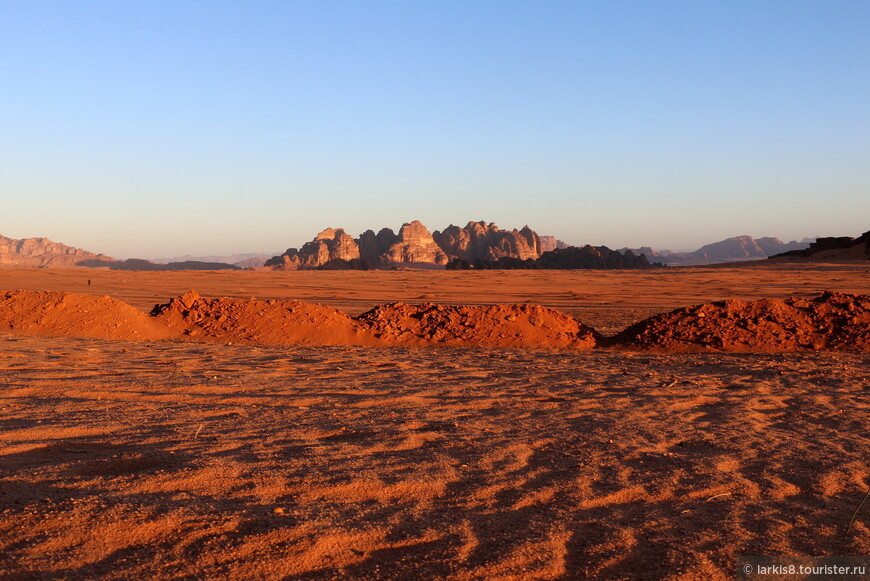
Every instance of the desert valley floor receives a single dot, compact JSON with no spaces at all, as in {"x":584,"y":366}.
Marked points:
{"x":184,"y":460}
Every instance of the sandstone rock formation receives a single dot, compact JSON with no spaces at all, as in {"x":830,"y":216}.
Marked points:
{"x":330,"y":244}
{"x":373,"y":247}
{"x":415,"y":244}
{"x":482,"y":241}
{"x":42,"y":252}
{"x":478,"y":245}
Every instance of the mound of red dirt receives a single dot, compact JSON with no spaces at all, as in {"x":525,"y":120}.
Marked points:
{"x":62,"y":314}
{"x":489,"y":325}
{"x":830,"y":321}
{"x":266,"y":322}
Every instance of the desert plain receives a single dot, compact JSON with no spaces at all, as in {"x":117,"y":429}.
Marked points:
{"x":184,"y":459}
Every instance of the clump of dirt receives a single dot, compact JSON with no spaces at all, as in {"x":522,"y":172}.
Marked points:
{"x":265,"y":322}
{"x":62,"y":314}
{"x":489,"y":325}
{"x":832,"y":320}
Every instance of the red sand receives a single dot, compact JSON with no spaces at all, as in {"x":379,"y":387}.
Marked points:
{"x":62,"y":314}
{"x":177,"y":460}
{"x":268,"y":322}
{"x":191,"y":458}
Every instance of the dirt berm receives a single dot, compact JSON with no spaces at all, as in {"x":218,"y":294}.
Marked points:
{"x":836,"y":321}
{"x":63,"y":314}
{"x":486,"y":325}
{"x":264,"y":322}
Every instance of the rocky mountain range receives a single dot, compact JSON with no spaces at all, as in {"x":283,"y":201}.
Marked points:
{"x":242,"y":260}
{"x":42,"y":252}
{"x":737,"y":248}
{"x":415,"y":245}
{"x":478,"y":245}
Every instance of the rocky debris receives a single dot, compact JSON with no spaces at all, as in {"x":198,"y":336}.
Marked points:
{"x":830,"y":321}
{"x":265,"y":322}
{"x":487,"y":325}
{"x":42,"y":252}
{"x":61,"y":314}
{"x":834,"y":248}
{"x":482,"y":241}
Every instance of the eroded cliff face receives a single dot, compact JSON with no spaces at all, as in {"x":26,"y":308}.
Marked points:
{"x":414,"y":244}
{"x":482,"y":241}
{"x":330,"y":244}
{"x":372,"y":247}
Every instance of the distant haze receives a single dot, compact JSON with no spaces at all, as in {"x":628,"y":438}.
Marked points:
{"x":165,"y":128}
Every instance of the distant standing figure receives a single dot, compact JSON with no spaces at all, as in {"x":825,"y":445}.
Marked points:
{"x":89,"y":282}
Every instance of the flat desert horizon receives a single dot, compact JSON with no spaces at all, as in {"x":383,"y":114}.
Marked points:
{"x":174,"y":459}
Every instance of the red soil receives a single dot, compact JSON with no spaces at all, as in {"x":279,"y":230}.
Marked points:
{"x":830,"y":321}
{"x":834,"y":321}
{"x":61,"y":314}
{"x":489,"y":325}
{"x":264,"y":322}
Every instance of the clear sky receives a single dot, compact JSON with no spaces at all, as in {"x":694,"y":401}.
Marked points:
{"x":161,"y":128}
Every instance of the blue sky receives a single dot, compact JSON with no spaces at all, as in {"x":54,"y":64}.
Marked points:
{"x":167,"y":128}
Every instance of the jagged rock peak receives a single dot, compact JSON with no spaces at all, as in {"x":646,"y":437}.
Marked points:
{"x":414,"y":243}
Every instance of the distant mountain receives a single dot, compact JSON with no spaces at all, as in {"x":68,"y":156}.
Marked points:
{"x":733,"y":249}
{"x":42,"y":252}
{"x":831,"y":248}
{"x":142,"y":264}
{"x":243,"y":260}
{"x":476,"y":245}
{"x":552,"y":243}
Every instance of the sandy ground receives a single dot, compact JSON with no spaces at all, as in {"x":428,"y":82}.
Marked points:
{"x":606,"y":300}
{"x":164,"y":460}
